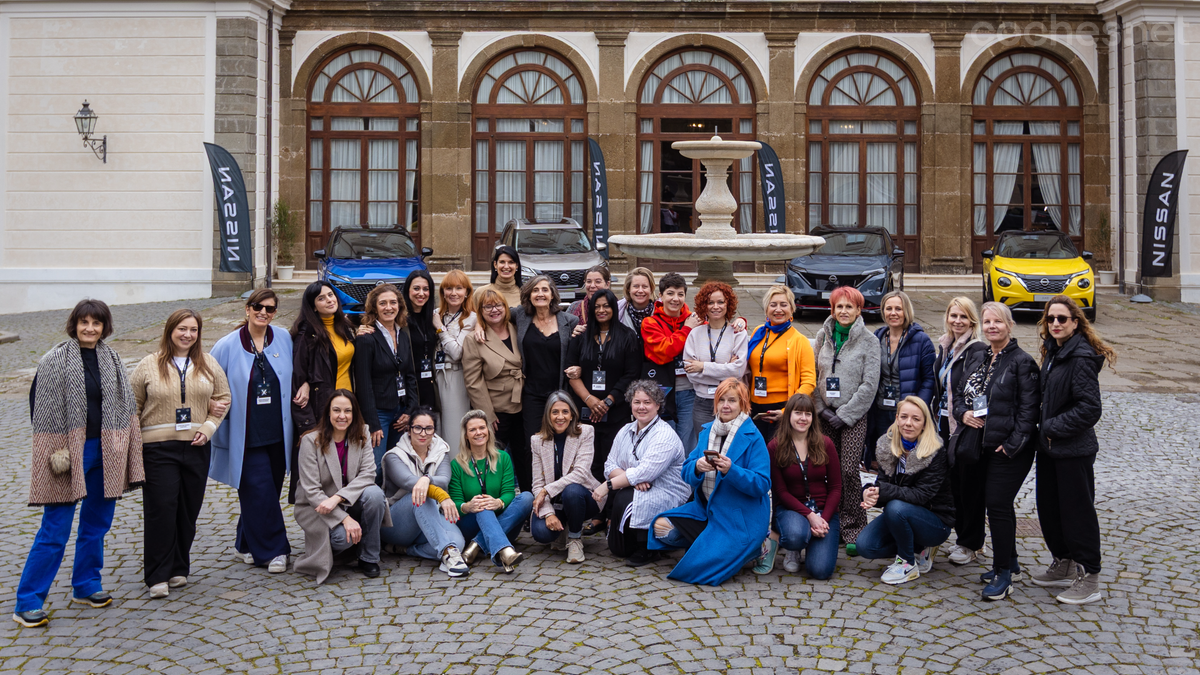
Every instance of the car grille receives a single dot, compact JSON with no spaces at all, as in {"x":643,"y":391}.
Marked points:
{"x":828,"y":282}
{"x":574,"y":278}
{"x":357,"y":291}
{"x":1044,"y":285}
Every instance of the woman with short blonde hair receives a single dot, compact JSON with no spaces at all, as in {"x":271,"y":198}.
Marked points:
{"x":781,"y":360}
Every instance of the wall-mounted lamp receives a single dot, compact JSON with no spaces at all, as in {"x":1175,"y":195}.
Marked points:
{"x":85,"y":124}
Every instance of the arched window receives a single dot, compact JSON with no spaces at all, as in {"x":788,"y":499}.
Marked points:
{"x":530,"y":145}
{"x":1027,"y":149}
{"x":864,"y":148}
{"x":690,"y":95}
{"x":363,"y":133}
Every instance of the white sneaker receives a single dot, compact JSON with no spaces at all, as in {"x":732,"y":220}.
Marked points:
{"x":961,"y":555}
{"x":278,"y":565}
{"x":791,"y":562}
{"x":247,"y":558}
{"x":159,"y":591}
{"x":453,"y":564}
{"x":575,"y":551}
{"x":177,"y":582}
{"x":900,"y":572}
{"x":925,"y":559}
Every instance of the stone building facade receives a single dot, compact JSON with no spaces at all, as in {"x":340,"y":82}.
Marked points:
{"x":944,"y":122}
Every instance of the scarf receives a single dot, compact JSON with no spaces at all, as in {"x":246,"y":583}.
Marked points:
{"x":59,"y":422}
{"x":637,"y":316}
{"x":438,"y":449}
{"x":909,"y":446}
{"x":840,"y":334}
{"x":720,"y":435}
{"x":761,"y":333}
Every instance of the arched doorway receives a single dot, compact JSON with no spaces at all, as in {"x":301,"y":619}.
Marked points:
{"x":530,"y":145}
{"x":363,"y":138}
{"x":864,"y":148}
{"x":690,"y":95}
{"x":1027,"y":150}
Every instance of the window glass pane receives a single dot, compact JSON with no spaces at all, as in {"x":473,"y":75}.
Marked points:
{"x":843,"y":157}
{"x":910,"y":220}
{"x":1008,"y":128}
{"x":745,"y":126}
{"x":746,"y":194}
{"x":347,"y":124}
{"x":814,"y":188}
{"x":314,"y":216}
{"x":481,"y":125}
{"x":814,"y":157}
{"x":910,"y":128}
{"x":1072,"y":128}
{"x":410,"y":181}
{"x":647,"y":126}
{"x":980,"y":128}
{"x":385,"y":124}
{"x":1044,"y":128}
{"x":344,"y":214}
{"x":481,"y":218}
{"x":525,"y":126}
{"x":577,"y":126}
{"x":410,"y":124}
{"x":646,"y":195}
{"x":814,"y":216}
{"x":910,"y":188}
{"x":345,"y":158}
{"x":879,"y":127}
{"x":510,"y":181}
{"x":548,"y":180}
{"x":317,"y":123}
{"x":315,"y":154}
{"x":814,"y":126}
{"x":910,"y":156}
{"x":845,"y":127}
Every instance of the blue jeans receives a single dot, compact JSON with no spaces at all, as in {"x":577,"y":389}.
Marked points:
{"x":685,"y":402}
{"x":422,"y":529}
{"x":50,"y":544}
{"x":493,"y":531}
{"x":900,"y":530}
{"x":577,"y":505}
{"x":795,"y":534}
{"x":390,"y":437}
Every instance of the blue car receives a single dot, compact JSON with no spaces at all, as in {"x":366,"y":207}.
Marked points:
{"x":357,"y":260}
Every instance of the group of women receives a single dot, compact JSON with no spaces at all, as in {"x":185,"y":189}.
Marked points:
{"x":440,"y":428}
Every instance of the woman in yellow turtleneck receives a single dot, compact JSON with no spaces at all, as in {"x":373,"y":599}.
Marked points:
{"x":506,"y":276}
{"x":344,"y":349}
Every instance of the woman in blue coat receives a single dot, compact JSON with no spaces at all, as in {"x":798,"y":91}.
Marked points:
{"x":906,"y":367}
{"x":730,"y":472}
{"x":249,"y":451}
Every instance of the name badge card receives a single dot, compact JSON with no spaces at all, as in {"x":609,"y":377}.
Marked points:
{"x":183,"y":419}
{"x":760,"y":387}
{"x":833,"y":387}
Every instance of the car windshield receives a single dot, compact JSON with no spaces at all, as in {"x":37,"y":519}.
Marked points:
{"x":366,"y":245}
{"x":541,"y":241}
{"x":1046,"y":246}
{"x":853,"y":243}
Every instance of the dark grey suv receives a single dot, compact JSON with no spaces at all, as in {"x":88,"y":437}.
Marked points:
{"x":560,"y":249}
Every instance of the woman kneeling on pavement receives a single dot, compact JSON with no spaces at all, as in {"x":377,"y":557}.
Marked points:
{"x":643,"y":475}
{"x":913,"y":488}
{"x":807,"y":483}
{"x":416,"y":474}
{"x":338,"y":504}
{"x":483,"y":487}
{"x":562,"y":477}
{"x":723,"y":527}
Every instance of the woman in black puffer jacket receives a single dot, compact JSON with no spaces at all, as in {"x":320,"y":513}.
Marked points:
{"x":998,"y":403}
{"x":1072,"y":356}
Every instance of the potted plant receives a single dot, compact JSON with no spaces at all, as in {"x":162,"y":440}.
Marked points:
{"x":284,"y":231}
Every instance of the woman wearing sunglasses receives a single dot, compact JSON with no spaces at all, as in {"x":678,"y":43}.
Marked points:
{"x":1072,"y":356}
{"x":249,"y":451}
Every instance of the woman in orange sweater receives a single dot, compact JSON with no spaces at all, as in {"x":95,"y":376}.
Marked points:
{"x":781,"y":361}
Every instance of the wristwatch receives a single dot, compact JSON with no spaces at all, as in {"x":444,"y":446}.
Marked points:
{"x":609,"y":484}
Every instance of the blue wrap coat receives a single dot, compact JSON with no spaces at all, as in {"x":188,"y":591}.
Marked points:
{"x":738,"y":515}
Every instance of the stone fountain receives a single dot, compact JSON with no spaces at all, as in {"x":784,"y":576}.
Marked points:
{"x":716,"y":245}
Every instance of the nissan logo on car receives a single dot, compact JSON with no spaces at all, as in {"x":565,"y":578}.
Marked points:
{"x":564,"y":276}
{"x":833,"y":280}
{"x":1045,"y":281}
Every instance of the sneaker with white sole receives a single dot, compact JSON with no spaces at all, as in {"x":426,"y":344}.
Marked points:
{"x":247,"y":558}
{"x":961,"y":555}
{"x":159,"y":591}
{"x":453,"y":563}
{"x":177,"y":582}
{"x":1085,"y":589}
{"x":925,"y":559}
{"x":900,"y":572}
{"x":791,"y":562}
{"x":575,"y":551}
{"x":1061,"y":573}
{"x":278,"y":564}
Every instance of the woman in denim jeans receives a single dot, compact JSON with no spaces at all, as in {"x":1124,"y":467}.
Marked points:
{"x":913,"y":488}
{"x":416,"y":474}
{"x":807,"y":482}
{"x":483,"y":487}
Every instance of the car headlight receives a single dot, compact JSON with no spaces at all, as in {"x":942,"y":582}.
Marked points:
{"x":1004,"y":282}
{"x":528,"y":272}
{"x":1084,"y":282}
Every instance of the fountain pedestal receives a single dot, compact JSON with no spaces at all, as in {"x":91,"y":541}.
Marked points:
{"x":716,"y":245}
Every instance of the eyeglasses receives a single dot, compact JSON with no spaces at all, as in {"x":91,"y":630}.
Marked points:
{"x":1057,"y":318}
{"x":422,"y":431}
{"x":493,"y":308}
{"x":259,"y":307}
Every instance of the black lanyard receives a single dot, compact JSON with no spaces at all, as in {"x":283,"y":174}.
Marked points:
{"x":638,"y":439}
{"x":260,"y":358}
{"x":600,"y":340}
{"x":804,"y":472}
{"x":767,"y":342}
{"x":712,"y":349}
{"x":481,"y":478}
{"x":453,"y":317}
{"x":183,"y":378}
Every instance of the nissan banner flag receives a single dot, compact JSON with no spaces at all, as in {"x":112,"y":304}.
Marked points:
{"x":774,"y":206}
{"x":232,"y":211}
{"x":1158,"y":219}
{"x":599,"y":198}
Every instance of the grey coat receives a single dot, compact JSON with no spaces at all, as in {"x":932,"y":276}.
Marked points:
{"x":321,"y":478}
{"x":856,"y":365}
{"x":399,"y":476}
{"x":566,"y":324}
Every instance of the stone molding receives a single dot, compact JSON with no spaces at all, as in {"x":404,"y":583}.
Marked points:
{"x":474,"y":69}
{"x":1088,"y":92}
{"x":308,"y":69}
{"x":637,"y":74}
{"x":902,"y":54}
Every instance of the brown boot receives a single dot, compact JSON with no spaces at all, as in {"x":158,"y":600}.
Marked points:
{"x":471,"y":553}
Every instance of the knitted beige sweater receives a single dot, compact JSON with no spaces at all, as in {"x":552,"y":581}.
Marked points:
{"x":157,"y":399}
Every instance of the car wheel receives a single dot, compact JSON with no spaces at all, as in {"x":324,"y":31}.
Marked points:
{"x":1090,"y":312}
{"x":987,"y":289}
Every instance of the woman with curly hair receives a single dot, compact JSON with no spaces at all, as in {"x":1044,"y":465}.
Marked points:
{"x":713,"y":352}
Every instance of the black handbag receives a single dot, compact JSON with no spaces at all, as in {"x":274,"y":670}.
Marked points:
{"x":967,"y":445}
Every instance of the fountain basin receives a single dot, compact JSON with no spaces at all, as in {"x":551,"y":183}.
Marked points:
{"x":743,"y":247}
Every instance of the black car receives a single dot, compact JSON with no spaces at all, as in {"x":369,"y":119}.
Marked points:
{"x":862,"y":257}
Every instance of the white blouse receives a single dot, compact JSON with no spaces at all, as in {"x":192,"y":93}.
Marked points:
{"x":658,"y":461}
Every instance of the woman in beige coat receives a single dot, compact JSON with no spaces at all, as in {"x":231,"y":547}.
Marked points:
{"x":454,"y":321}
{"x":492,"y":371}
{"x":562,"y":477}
{"x":338,"y":504}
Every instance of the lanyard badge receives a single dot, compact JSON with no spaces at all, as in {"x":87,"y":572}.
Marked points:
{"x":833,"y":387}
{"x":598,"y":380}
{"x":183,"y":414}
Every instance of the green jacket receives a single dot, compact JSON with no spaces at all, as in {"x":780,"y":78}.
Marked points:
{"x":500,"y":483}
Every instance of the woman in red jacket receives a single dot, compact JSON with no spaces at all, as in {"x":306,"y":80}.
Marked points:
{"x":664,"y":333}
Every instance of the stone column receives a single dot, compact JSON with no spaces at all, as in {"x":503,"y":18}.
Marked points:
{"x":293,"y":153}
{"x":446,"y":161}
{"x":783,"y":130}
{"x":946,"y":166}
{"x":617,"y":140}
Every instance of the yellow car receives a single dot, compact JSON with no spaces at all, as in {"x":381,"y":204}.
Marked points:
{"x":1025,"y":269}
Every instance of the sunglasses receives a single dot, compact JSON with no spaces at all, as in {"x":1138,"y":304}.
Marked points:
{"x":1057,"y":318}
{"x":259,"y":307}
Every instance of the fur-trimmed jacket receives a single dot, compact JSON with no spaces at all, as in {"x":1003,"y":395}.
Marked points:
{"x":925,"y":481}
{"x":856,"y":365}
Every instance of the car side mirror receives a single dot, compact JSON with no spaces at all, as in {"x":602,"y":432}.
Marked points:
{"x":600,"y":246}
{"x":319,"y":254}
{"x":1087,"y":255}
{"x":988,"y":253}
{"x":426,"y":252}
{"x":897,"y":251}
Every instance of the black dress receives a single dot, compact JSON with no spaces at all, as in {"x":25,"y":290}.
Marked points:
{"x":621,"y":362}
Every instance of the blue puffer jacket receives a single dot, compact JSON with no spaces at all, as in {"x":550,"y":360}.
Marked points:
{"x":917,"y":356}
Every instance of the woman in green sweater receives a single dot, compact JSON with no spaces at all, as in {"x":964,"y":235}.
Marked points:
{"x":483,"y":486}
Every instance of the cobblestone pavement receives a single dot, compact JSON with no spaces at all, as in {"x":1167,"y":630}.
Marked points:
{"x":602,"y":616}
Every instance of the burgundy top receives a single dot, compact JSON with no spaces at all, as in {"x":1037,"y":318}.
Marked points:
{"x":341,"y":451}
{"x":824,"y":483}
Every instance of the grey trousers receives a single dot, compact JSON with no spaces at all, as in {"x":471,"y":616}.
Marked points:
{"x":368,"y":511}
{"x":702,"y":413}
